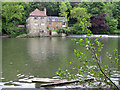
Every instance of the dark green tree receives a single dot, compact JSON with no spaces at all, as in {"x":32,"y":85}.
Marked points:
{"x":112,"y":22}
{"x":12,"y":15}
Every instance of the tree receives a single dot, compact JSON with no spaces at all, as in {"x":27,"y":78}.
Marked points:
{"x":12,"y":14}
{"x":112,"y":22}
{"x":90,"y":65}
{"x":81,"y":15}
{"x":116,"y":12}
{"x":0,"y":18}
{"x":94,"y":8}
{"x":64,"y":8}
{"x":98,"y":24}
{"x":111,"y":9}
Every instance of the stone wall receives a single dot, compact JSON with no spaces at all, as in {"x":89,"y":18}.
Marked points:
{"x":37,"y":27}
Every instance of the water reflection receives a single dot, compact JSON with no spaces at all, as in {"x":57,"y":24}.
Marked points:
{"x":47,"y":54}
{"x":41,"y":57}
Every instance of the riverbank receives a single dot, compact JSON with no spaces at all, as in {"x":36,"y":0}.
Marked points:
{"x":3,"y":36}
{"x":75,"y":36}
{"x":63,"y":35}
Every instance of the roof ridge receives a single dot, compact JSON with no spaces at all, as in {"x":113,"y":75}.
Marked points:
{"x":38,"y":12}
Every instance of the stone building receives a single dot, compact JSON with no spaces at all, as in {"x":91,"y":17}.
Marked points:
{"x":39,"y":24}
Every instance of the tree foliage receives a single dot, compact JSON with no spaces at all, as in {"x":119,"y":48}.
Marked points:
{"x":112,"y":10}
{"x":81,"y":15}
{"x":64,"y":8}
{"x":112,"y":22}
{"x":15,"y":13}
{"x":12,"y":15}
{"x":94,"y":8}
{"x":116,"y":12}
{"x":98,"y":24}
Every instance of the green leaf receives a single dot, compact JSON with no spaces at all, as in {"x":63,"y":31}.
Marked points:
{"x":70,"y":62}
{"x":89,"y":34}
{"x":83,"y":85}
{"x":79,"y":25}
{"x":99,"y":84}
{"x":105,"y":66}
{"x":57,"y":72}
{"x":96,"y":39}
{"x":73,"y":39}
{"x":78,"y":55}
{"x":84,"y":19}
{"x":100,"y":36}
{"x":83,"y":28}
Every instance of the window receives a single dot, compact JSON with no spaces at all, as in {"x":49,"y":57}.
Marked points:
{"x":35,"y":18}
{"x":53,"y":19}
{"x":42,"y":18}
{"x":63,"y":23}
{"x":35,"y":24}
{"x":49,"y":27}
{"x":42,"y":31}
{"x":42,"y":23}
{"x":50,"y":23}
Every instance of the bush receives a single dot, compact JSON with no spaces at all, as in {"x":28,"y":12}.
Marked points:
{"x":63,"y":30}
{"x":15,"y":31}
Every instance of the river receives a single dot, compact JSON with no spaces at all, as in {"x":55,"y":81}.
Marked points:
{"x":40,"y":57}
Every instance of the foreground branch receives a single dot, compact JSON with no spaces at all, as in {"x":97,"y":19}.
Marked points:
{"x":102,"y":70}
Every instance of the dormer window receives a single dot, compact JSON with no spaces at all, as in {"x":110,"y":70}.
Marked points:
{"x":42,"y":18}
{"x":35,"y":18}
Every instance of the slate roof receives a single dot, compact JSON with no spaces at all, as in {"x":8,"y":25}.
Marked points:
{"x":38,"y":12}
{"x":56,"y":19}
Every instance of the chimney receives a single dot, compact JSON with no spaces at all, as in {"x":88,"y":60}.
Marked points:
{"x":45,"y":10}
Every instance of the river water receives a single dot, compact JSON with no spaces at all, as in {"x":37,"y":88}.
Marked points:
{"x":41,"y":57}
